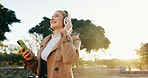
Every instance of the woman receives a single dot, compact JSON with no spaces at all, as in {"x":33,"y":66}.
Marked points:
{"x":58,"y":51}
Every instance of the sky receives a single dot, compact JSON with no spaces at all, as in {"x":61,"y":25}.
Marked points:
{"x":124,"y":21}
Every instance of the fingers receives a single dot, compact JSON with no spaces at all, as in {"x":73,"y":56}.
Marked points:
{"x":67,"y":21}
{"x":29,"y":58}
{"x":68,"y":25}
{"x":22,"y":50}
{"x":27,"y":55}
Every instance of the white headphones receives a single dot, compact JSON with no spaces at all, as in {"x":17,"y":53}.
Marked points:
{"x":68,"y":17}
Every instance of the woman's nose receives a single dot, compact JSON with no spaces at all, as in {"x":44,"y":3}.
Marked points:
{"x":52,"y":18}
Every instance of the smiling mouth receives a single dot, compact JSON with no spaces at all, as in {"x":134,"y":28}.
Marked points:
{"x":53,"y":22}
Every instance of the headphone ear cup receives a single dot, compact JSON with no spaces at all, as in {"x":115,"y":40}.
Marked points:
{"x":64,"y":22}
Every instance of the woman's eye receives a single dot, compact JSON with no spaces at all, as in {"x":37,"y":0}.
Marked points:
{"x":56,"y":16}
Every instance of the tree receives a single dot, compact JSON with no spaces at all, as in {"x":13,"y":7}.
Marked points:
{"x":92,"y":36}
{"x":7,"y":17}
{"x":34,"y":42}
{"x":42,"y":28}
{"x":143,"y":53}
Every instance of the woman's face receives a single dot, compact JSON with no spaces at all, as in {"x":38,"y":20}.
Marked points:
{"x":56,"y":20}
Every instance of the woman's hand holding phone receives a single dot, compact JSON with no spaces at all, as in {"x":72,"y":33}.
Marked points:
{"x":26,"y":54}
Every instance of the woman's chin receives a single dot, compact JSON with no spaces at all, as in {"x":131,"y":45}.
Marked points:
{"x":53,"y":27}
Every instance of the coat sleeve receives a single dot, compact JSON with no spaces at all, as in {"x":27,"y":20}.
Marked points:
{"x":70,"y":47}
{"x":32,"y":64}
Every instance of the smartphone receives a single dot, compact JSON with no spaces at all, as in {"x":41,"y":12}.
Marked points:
{"x":22,"y":44}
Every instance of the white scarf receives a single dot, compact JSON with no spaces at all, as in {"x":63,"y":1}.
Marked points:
{"x":49,"y":46}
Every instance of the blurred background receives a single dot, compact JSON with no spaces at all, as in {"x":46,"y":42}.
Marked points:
{"x":113,"y":33}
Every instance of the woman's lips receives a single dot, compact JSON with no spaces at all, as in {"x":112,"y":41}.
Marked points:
{"x":53,"y":22}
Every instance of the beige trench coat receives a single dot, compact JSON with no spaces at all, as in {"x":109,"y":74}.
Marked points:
{"x":61,"y":58}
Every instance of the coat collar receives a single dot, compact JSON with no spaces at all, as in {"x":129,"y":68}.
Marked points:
{"x":57,"y":45}
{"x":48,"y":38}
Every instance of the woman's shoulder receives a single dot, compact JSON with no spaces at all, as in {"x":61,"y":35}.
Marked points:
{"x":75,"y":36}
{"x":46,"y":38}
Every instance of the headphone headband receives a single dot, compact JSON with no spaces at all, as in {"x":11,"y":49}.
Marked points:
{"x":65,"y":11}
{"x":68,"y":15}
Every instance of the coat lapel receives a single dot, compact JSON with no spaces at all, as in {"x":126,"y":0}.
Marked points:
{"x":57,"y":45}
{"x":46,"y":41}
{"x":43,"y":45}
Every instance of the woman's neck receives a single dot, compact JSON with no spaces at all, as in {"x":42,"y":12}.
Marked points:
{"x":57,"y":31}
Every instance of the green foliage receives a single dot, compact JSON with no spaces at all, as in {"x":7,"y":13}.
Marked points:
{"x":143,"y":53}
{"x":11,"y":54}
{"x":7,"y":17}
{"x":92,"y":36}
{"x":42,"y":28}
{"x":14,"y":57}
{"x":11,"y":59}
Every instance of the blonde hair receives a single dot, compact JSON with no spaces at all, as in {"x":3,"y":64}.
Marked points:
{"x":65,"y":14}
